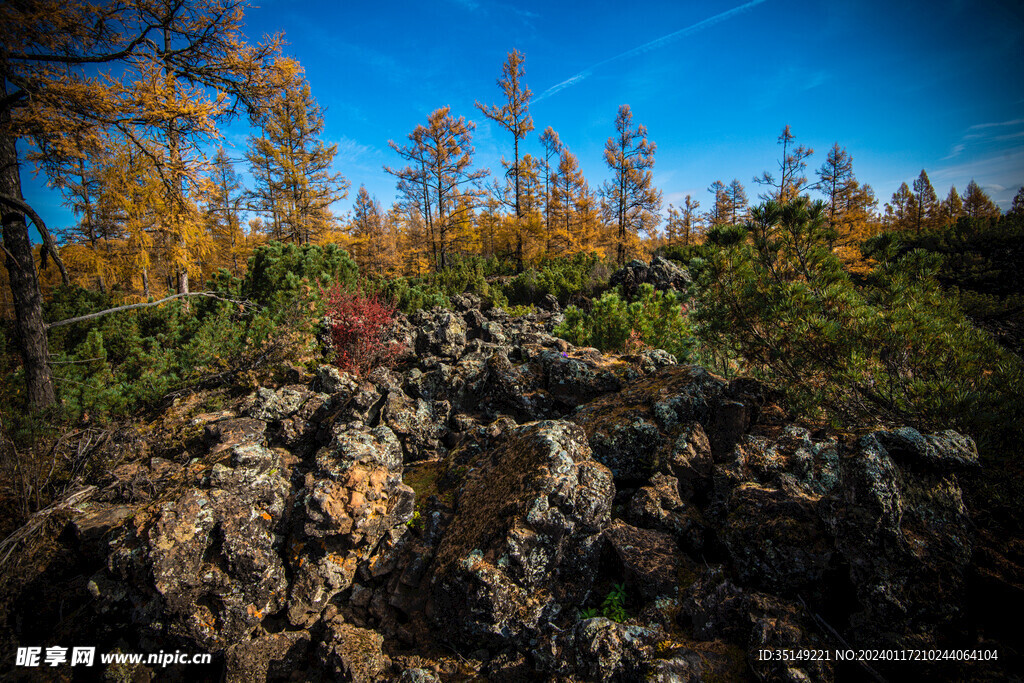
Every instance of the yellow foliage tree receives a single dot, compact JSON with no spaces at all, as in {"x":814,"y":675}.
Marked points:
{"x":291,"y":166}
{"x":631,"y":199}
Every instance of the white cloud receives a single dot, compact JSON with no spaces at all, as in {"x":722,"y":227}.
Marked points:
{"x":648,"y":46}
{"x":1000,"y":124}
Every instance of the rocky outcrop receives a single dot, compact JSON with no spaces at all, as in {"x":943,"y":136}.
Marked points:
{"x":488,"y":505}
{"x":524,"y":544}
{"x":661,"y":273}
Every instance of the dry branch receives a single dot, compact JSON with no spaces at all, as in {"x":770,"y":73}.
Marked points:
{"x":147,"y":304}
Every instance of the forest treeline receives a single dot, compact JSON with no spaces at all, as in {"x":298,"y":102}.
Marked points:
{"x":908,"y":313}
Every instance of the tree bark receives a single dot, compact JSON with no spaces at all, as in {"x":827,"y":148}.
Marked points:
{"x":21,"y":271}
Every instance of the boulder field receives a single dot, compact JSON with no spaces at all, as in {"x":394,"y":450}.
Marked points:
{"x":501,"y":505}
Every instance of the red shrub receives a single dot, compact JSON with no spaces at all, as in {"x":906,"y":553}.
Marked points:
{"x":358,"y":326}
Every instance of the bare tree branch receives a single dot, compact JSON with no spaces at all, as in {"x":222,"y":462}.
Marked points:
{"x":147,"y":304}
{"x":48,"y":244}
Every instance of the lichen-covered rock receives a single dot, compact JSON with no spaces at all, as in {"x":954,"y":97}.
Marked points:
{"x":524,"y":543}
{"x":718,"y":609}
{"x":351,"y":443}
{"x":274,"y":656}
{"x":793,"y":459}
{"x":212,"y":553}
{"x":905,"y":535}
{"x":574,"y":380}
{"x":775,"y":539}
{"x":226,"y":434}
{"x":648,"y":426}
{"x":277,"y":405}
{"x":650,"y":560}
{"x":353,"y":654}
{"x":944,"y":452}
{"x":661,"y":273}
{"x":417,"y":675}
{"x":603,"y":650}
{"x":419,"y":424}
{"x":440,"y":332}
{"x":349,"y":504}
{"x":659,"y":506}
{"x":504,"y":388}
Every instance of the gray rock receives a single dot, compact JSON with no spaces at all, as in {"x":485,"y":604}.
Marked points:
{"x":525,"y":541}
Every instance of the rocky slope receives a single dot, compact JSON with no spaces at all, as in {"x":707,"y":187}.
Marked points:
{"x":466,"y":514}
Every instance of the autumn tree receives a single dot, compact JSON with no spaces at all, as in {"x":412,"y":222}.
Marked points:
{"x":952,"y":207}
{"x":1017,"y":207}
{"x":552,"y":149}
{"x":574,"y":221}
{"x":683,"y":222}
{"x":224,"y":207}
{"x":631,"y":197}
{"x":52,"y":94}
{"x":718,"y":214}
{"x":291,"y":166}
{"x":926,"y":203}
{"x":977,"y":204}
{"x":737,"y":201}
{"x":513,"y":116}
{"x":901,"y":211}
{"x":370,"y":234}
{"x":81,"y":184}
{"x":439,"y":183}
{"x":850,"y":205}
{"x":791,"y":181}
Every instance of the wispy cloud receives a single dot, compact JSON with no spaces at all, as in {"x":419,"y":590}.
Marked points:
{"x":352,"y":152}
{"x":647,"y":47}
{"x":474,"y":6}
{"x":1000,"y":124}
{"x":955,"y":152}
{"x":999,"y":173}
{"x":984,"y":137}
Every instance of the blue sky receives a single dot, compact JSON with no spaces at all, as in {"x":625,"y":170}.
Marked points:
{"x":901,"y":85}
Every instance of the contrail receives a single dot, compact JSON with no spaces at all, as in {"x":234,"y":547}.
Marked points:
{"x":652,"y":45}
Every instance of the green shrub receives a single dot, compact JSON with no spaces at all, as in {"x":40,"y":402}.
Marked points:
{"x":279,"y":272}
{"x":559,"y":277}
{"x":779,"y":301}
{"x":656,"y":320}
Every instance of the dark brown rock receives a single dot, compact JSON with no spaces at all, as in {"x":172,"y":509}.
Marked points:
{"x":525,"y":540}
{"x":650,"y":560}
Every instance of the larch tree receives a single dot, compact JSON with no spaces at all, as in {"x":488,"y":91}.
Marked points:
{"x":901,"y":211}
{"x":291,"y":166}
{"x":850,"y":205}
{"x":926,"y":203}
{"x":630,"y":195}
{"x":367,"y":229}
{"x":791,"y":181}
{"x":836,"y":182}
{"x":1017,"y":207}
{"x":574,"y":226}
{"x":172,"y":63}
{"x":737,"y":198}
{"x":952,"y":207}
{"x":439,"y":181}
{"x":683,"y":222}
{"x":977,"y":204}
{"x":552,"y":149}
{"x":718,"y":214}
{"x":513,"y":116}
{"x":224,"y":206}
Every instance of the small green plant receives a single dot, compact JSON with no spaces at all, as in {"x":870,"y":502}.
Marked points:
{"x":415,"y":522}
{"x":614,"y":605}
{"x":520,"y":311}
